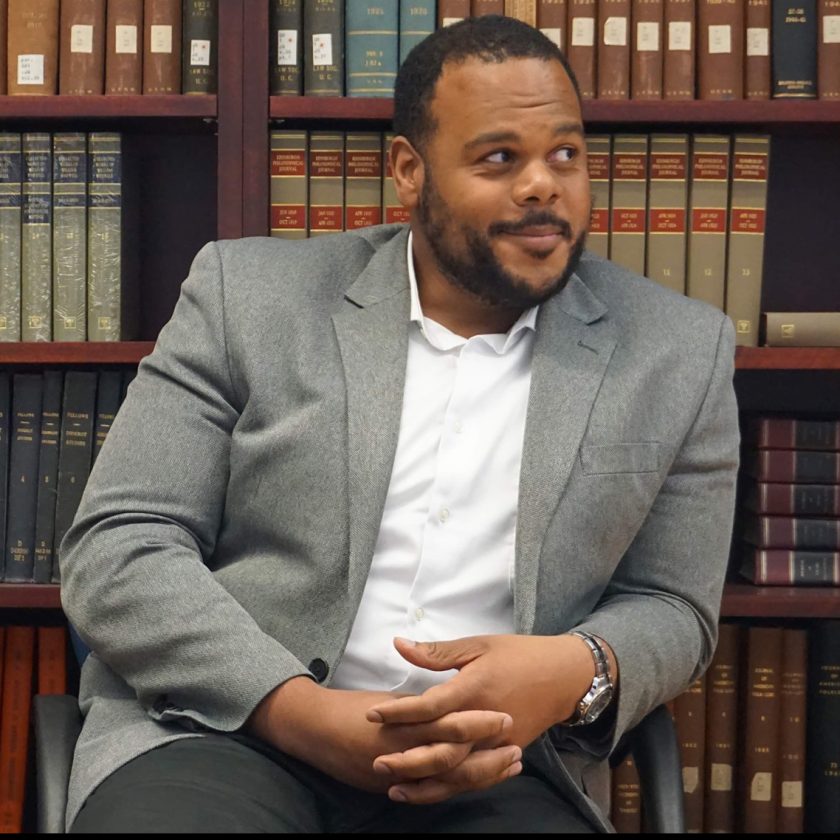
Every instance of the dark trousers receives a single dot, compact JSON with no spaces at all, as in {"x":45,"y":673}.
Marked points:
{"x":220,"y":783}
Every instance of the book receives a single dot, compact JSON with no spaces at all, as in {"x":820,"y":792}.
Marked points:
{"x":363,"y":184}
{"x":326,"y":182}
{"x":200,"y":46}
{"x":828,"y":49}
{"x":4,"y":19}
{"x":451,"y":11}
{"x":551,"y":20}
{"x":629,"y":201}
{"x":32,"y":54}
{"x":47,"y":475}
{"x":796,"y":465}
{"x":626,"y":815}
{"x":417,"y":21}
{"x":747,"y":224}
{"x":599,"y":163}
{"x":792,"y":433}
{"x":162,"y":46}
{"x":81,"y":64}
{"x":783,"y":567}
{"x":371,"y":47}
{"x":646,"y":62}
{"x":69,"y":241}
{"x":708,"y":202}
{"x":790,"y":814}
{"x":801,"y":329}
{"x":289,"y":184}
{"x":124,"y":47}
{"x":5,"y":430}
{"x":108,"y":398}
{"x":36,"y":238}
{"x":580,"y":50}
{"x":613,"y":52}
{"x":678,"y":63}
{"x":52,"y":660}
{"x":792,"y":499}
{"x":27,"y":390}
{"x":720,"y":49}
{"x":690,"y":721}
{"x":794,"y":49}
{"x":524,"y":10}
{"x":792,"y":532}
{"x":479,"y":8}
{"x":393,"y":211}
{"x":285,"y":48}
{"x":757,"y":75}
{"x":323,"y":51}
{"x":11,"y":179}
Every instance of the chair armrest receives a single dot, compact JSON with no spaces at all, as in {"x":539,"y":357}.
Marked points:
{"x":58,"y":723}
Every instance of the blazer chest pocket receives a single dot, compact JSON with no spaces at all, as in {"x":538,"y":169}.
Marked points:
{"x":612,"y":458}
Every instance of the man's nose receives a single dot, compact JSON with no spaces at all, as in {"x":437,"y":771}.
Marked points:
{"x":537,"y":183}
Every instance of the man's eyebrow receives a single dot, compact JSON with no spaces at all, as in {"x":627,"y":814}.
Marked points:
{"x":513,"y":137}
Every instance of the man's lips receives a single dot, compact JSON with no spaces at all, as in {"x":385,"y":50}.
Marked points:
{"x":538,"y":236}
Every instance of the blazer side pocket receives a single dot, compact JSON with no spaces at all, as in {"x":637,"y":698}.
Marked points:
{"x":606,"y":459}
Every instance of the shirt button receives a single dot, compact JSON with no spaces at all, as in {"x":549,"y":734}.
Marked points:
{"x":444,"y":514}
{"x":419,"y":613}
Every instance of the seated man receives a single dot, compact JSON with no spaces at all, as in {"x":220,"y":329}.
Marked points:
{"x":387,"y":515}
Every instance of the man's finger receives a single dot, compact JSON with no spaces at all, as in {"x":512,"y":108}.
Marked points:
{"x":432,"y":704}
{"x":422,"y":762}
{"x":441,"y":656}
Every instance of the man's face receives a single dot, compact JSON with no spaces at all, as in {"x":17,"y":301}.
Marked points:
{"x":505,"y":201}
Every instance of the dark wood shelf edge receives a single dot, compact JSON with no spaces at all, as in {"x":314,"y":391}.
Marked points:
{"x":787,"y":358}
{"x":743,"y":600}
{"x":75,"y":352}
{"x":199,"y":106}
{"x":30,"y":595}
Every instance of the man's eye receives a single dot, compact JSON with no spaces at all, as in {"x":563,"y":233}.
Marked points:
{"x":564,"y":154}
{"x":497,"y":157}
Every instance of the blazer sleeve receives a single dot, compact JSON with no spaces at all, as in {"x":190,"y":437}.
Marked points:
{"x":134,"y":582}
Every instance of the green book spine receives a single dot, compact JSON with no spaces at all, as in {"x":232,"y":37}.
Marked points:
{"x":372,"y":47}
{"x":107,"y":404}
{"x":69,"y":237}
{"x":47,"y":475}
{"x":285,"y":48}
{"x":5,"y":405}
{"x":417,"y":21}
{"x":200,"y":46}
{"x":323,"y":51}
{"x":36,"y":238}
{"x":11,"y":176}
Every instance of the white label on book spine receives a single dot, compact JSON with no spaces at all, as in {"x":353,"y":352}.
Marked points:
{"x":679,"y":35}
{"x":691,"y":779}
{"x":322,"y":52}
{"x":161,"y":39}
{"x":720,"y":39}
{"x":554,"y":35}
{"x":125,"y":40}
{"x":287,"y":47}
{"x":583,"y":32}
{"x":761,"y":787}
{"x":199,"y":53}
{"x":30,"y":70}
{"x":831,"y":29}
{"x":721,"y":776}
{"x":792,"y":795}
{"x":448,"y":21}
{"x":647,"y":36}
{"x":758,"y":40}
{"x":81,"y":38}
{"x":615,"y":32}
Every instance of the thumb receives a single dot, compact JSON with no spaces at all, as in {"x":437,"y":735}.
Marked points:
{"x":440,"y":656}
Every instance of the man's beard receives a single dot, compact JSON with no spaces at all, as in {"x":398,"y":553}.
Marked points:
{"x":478,"y":271}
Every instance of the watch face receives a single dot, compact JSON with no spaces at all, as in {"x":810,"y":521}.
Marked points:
{"x":598,"y":704}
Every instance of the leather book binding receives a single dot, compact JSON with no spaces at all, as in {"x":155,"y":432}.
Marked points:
{"x":326,"y":182}
{"x":757,"y":59}
{"x":679,"y":70}
{"x":323,"y":48}
{"x":363,"y":185}
{"x":285,"y":48}
{"x":789,"y":499}
{"x":646,"y":65}
{"x":451,"y":11}
{"x":580,"y":45}
{"x":793,"y":433}
{"x":162,"y":47}
{"x":786,"y":567}
{"x":81,"y":66}
{"x":802,"y":329}
{"x":200,"y":46}
{"x":289,"y":183}
{"x":795,"y":49}
{"x":524,"y":10}
{"x":599,"y":163}
{"x":4,"y":21}
{"x":720,"y":45}
{"x":124,"y":47}
{"x":32,"y":55}
{"x":613,"y":50}
{"x":551,"y":20}
{"x":828,"y":50}
{"x":790,"y":814}
{"x":690,"y":721}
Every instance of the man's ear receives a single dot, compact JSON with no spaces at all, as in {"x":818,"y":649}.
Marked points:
{"x":408,"y":171}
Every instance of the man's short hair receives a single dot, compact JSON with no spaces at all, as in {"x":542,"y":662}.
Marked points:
{"x":490,"y":38}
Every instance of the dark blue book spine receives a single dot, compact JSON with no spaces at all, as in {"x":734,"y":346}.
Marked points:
{"x":794,"y":50}
{"x":48,"y":475}
{"x":5,"y":404}
{"x":107,"y":403}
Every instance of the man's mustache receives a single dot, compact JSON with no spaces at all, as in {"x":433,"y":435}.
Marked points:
{"x":538,"y":219}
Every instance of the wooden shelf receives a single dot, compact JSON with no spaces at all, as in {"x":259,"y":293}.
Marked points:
{"x":30,"y":595}
{"x":75,"y":352}
{"x":787,"y":358}
{"x":84,"y":107}
{"x":744,"y":600}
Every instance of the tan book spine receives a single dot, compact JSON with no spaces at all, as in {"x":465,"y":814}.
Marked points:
{"x":708,"y":201}
{"x":162,"y":46}
{"x":745,"y":257}
{"x":720,"y":50}
{"x":757,"y":76}
{"x":626,"y":798}
{"x":32,"y":55}
{"x":487,"y":7}
{"x":581,"y":45}
{"x":690,"y":720}
{"x":790,"y":816}
{"x":4,"y":21}
{"x":629,"y":201}
{"x":679,"y":65}
{"x":802,"y":329}
{"x":828,"y":50}
{"x":451,"y":11}
{"x":646,"y":61}
{"x":524,"y":10}
{"x":11,"y":179}
{"x":326,"y":182}
{"x":598,"y":159}
{"x":551,"y":20}
{"x":124,"y":47}
{"x":392,"y":211}
{"x":613,"y":49}
{"x":36,"y":238}
{"x":289,"y":184}
{"x":81,"y":66}
{"x":667,"y":200}
{"x":363,"y":190}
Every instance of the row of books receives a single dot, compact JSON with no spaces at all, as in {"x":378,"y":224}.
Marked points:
{"x":83,"y":47}
{"x":758,"y":736}
{"x":618,"y":49}
{"x":63,"y":276}
{"x":52,"y":427}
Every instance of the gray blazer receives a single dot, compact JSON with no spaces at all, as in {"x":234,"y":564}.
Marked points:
{"x":227,"y":528}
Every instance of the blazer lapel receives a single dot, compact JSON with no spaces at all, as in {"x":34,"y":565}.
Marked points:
{"x":572,"y":350}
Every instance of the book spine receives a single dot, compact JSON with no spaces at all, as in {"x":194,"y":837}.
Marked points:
{"x":417,"y":21}
{"x":326,"y":182}
{"x":647,"y":55}
{"x":793,"y":532}
{"x":11,"y":179}
{"x":757,"y":73}
{"x":289,"y":184}
{"x":679,"y":66}
{"x":690,"y":720}
{"x":107,"y":405}
{"x":613,"y":51}
{"x":5,"y":429}
{"x":162,"y":46}
{"x":200,"y":46}
{"x":551,"y":20}
{"x":323,"y":52}
{"x":581,"y":46}
{"x":286,"y":48}
{"x":802,"y":329}
{"x":626,"y":798}
{"x":479,"y":8}
{"x":720,"y":49}
{"x":828,"y":50}
{"x":629,"y":201}
{"x":36,"y":238}
{"x":372,"y":47}
{"x":4,"y":21}
{"x":793,"y":499}
{"x":798,"y":466}
{"x":32,"y":54}
{"x":47,"y":475}
{"x":363,"y":192}
{"x":81,"y":65}
{"x":451,"y":11}
{"x":392,"y":211}
{"x":599,"y":163}
{"x":794,"y":433}
{"x":781,"y":567}
{"x":709,"y":198}
{"x":667,"y":199}
{"x":524,"y":10}
{"x":747,"y":216}
{"x":795,"y":49}
{"x":70,"y":175}
{"x":124,"y":47}
{"x":52,"y":660}
{"x":790,"y":815}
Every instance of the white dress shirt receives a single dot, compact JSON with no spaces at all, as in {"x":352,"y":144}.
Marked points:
{"x":443,"y":565}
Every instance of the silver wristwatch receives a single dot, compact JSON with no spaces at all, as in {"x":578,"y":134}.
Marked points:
{"x":600,"y":692}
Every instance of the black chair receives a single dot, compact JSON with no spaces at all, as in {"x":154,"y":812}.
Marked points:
{"x":652,"y":743}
